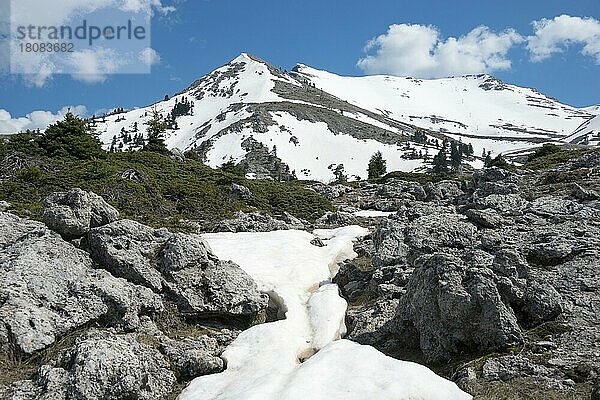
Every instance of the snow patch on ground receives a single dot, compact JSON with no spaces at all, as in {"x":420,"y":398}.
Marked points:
{"x":373,"y":213}
{"x":265,"y":361}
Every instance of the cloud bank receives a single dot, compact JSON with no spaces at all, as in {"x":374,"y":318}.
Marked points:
{"x":87,"y":65}
{"x":421,"y":51}
{"x":35,"y":120}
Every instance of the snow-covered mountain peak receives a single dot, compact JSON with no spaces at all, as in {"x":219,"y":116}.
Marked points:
{"x":311,"y":121}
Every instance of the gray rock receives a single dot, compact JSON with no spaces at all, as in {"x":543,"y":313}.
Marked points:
{"x":595,"y":390}
{"x":126,"y":249}
{"x":331,"y":192}
{"x":240,"y":192}
{"x":317,"y":242}
{"x":553,"y":251}
{"x":584,"y":194}
{"x":505,"y":204}
{"x":510,"y":263}
{"x":16,"y":229}
{"x":432,"y":232}
{"x":291,"y":221}
{"x":413,"y":210}
{"x":221,"y":288}
{"x":185,"y":251}
{"x":4,"y":206}
{"x":487,"y":188}
{"x":444,"y":190}
{"x":492,"y":174}
{"x":177,"y":155}
{"x":369,"y":324}
{"x":398,"y":189}
{"x":337,"y":218}
{"x":550,"y":206}
{"x":442,"y":295}
{"x":388,"y":240}
{"x":485,"y":218}
{"x":109,"y":366}
{"x":194,"y":357}
{"x":541,"y":303}
{"x":252,"y":222}
{"x":48,"y":288}
{"x":510,"y":367}
{"x":73,"y":213}
{"x":182,"y":264}
{"x":23,"y":390}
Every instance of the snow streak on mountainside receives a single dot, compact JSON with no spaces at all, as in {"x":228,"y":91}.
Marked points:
{"x":476,"y":107}
{"x":307,"y":122}
{"x":588,"y":133}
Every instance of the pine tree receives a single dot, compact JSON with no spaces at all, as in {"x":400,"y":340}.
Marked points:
{"x":156,"y":128}
{"x":440,"y":162}
{"x":470,"y":149}
{"x":488,"y":160}
{"x":340,"y":174}
{"x":455,"y":156}
{"x":377,"y":166}
{"x":70,"y":138}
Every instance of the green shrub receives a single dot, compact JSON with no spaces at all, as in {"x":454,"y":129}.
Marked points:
{"x":554,"y":158}
{"x":70,"y":138}
{"x":546,"y":149}
{"x":500,"y":162}
{"x":160,"y":191}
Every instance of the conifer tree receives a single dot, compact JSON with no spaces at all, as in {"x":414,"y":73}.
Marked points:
{"x":440,"y":162}
{"x":156,"y":127}
{"x":70,"y":138}
{"x":340,"y":174}
{"x":377,"y":166}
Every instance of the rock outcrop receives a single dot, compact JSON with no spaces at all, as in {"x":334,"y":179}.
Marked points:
{"x":257,"y":222}
{"x":49,"y":288}
{"x":117,"y":313}
{"x":502,"y":268}
{"x":182,"y":266}
{"x":73,"y":213}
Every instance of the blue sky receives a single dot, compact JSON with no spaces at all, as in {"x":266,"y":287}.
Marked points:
{"x":201,"y":35}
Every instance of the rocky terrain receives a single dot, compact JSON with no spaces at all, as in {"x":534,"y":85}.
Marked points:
{"x":93,"y":307}
{"x":491,"y":280}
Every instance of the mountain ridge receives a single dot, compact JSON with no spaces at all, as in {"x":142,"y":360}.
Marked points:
{"x":306,"y":122}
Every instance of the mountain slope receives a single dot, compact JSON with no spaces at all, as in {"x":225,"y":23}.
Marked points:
{"x":587,"y":133}
{"x":475,"y":106}
{"x":307,"y":122}
{"x":249,"y":111}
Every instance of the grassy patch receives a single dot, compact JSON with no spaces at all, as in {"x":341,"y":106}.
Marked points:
{"x":16,"y":366}
{"x":530,"y":388}
{"x":155,"y":190}
{"x":546,"y":160}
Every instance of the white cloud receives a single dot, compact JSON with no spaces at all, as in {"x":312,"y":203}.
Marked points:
{"x":149,"y":56}
{"x":92,"y":66}
{"x":35,"y":120}
{"x":146,"y":6}
{"x":554,"y":35}
{"x":419,"y":51}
